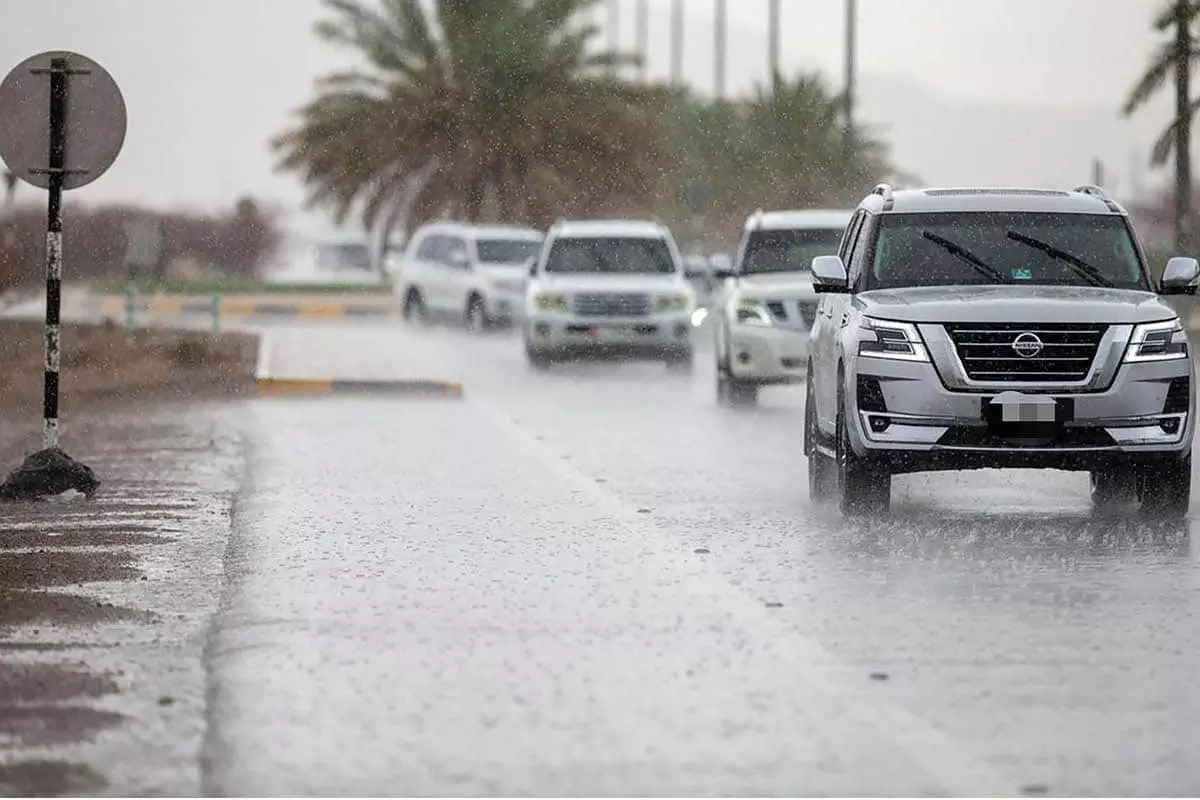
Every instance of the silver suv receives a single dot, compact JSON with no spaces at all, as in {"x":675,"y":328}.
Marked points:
{"x":998,"y":328}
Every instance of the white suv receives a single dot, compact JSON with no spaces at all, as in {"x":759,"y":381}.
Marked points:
{"x":765,"y":311}
{"x":472,"y":273}
{"x":609,"y":288}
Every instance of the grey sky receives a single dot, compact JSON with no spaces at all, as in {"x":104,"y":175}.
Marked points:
{"x":208,"y":82}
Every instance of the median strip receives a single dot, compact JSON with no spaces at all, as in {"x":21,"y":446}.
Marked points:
{"x":318,"y":387}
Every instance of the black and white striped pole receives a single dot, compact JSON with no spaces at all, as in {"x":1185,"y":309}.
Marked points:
{"x":64,"y":127}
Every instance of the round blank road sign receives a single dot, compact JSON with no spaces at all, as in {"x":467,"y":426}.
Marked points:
{"x":95,"y":121}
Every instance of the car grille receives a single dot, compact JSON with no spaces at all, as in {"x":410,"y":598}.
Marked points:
{"x":988,"y":353}
{"x":796,"y":313}
{"x":612,"y":305}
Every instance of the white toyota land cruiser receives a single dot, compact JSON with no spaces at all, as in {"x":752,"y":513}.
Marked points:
{"x":768,"y":304}
{"x":609,"y":288}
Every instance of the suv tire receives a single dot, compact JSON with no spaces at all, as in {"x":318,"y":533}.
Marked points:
{"x":475,"y":319}
{"x":822,"y":470}
{"x":1165,"y":487}
{"x":1112,"y":488}
{"x":864,"y":488}
{"x":414,"y":308}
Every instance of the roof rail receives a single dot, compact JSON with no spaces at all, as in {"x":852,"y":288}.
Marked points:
{"x":1091,"y":189}
{"x":884,"y":190}
{"x":758,"y":215}
{"x":1095,"y":191}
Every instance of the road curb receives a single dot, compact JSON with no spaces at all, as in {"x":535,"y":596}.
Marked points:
{"x":320,"y":387}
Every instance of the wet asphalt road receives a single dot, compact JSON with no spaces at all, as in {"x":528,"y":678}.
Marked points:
{"x":596,"y":581}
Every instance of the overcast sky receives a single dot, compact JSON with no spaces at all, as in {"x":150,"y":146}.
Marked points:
{"x":208,"y":82}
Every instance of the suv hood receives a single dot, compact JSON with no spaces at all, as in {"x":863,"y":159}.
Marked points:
{"x":1022,"y":304}
{"x":598,"y":282}
{"x":778,"y":286}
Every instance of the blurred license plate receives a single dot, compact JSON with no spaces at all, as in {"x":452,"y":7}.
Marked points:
{"x":1016,"y":407}
{"x":600,"y":330}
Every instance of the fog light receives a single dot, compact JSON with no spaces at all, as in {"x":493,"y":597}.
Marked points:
{"x":880,"y":424}
{"x":541,"y":329}
{"x":1169,"y":425}
{"x":743,"y":357}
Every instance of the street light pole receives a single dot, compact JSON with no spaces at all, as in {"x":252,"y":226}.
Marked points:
{"x":643,"y":37}
{"x":774,"y":44}
{"x":614,"y":29}
{"x":677,"y":42}
{"x":719,"y":51}
{"x":851,"y":46}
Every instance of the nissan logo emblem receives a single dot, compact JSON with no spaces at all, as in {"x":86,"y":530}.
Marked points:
{"x":1027,"y":345}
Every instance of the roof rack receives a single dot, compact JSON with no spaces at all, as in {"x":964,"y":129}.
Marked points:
{"x":884,"y":190}
{"x":1095,"y":191}
{"x":758,"y":215}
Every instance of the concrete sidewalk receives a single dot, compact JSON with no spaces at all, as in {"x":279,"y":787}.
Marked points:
{"x":105,"y":606}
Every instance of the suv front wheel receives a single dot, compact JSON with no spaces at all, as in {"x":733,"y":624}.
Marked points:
{"x":1165,"y":487}
{"x":864,"y":487}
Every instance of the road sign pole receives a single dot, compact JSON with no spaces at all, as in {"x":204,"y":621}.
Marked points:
{"x":59,"y":72}
{"x":71,"y":146}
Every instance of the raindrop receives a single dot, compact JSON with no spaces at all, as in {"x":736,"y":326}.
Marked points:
{"x":880,"y":676}
{"x":166,"y":701}
{"x":774,"y":604}
{"x":643,"y":511}
{"x":701,"y":551}
{"x":1035,"y":789}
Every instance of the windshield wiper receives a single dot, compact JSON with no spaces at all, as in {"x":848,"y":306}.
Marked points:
{"x":1077,"y":264}
{"x":966,"y":255}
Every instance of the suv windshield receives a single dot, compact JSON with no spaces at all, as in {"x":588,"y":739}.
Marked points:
{"x":788,"y":251}
{"x":1004,"y":248}
{"x":619,"y":255}
{"x":506,"y":251}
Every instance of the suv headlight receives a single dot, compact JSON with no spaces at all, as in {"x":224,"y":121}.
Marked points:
{"x":752,"y":312}
{"x":550,"y":301}
{"x":673,"y":302}
{"x":899,"y":341}
{"x":1158,"y":341}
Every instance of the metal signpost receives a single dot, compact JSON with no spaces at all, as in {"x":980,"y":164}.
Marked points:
{"x":64,"y":125}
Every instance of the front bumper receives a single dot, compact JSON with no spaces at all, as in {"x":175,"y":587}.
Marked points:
{"x":767,"y":354}
{"x":902,"y":414}
{"x":649,"y":336}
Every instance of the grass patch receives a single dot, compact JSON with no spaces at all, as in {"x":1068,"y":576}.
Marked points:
{"x":244,"y":286}
{"x":99,"y":363}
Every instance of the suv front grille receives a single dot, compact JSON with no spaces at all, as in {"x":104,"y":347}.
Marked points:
{"x":999,"y":352}
{"x":793,"y":312}
{"x":612,"y":305}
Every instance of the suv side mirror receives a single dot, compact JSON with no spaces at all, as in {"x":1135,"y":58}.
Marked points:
{"x":829,"y":275}
{"x":1181,"y":276}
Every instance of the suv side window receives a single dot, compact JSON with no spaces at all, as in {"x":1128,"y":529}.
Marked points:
{"x":453,"y":247}
{"x":850,"y":235}
{"x":428,"y":249}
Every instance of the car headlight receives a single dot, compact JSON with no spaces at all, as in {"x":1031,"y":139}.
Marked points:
{"x":899,"y":341}
{"x":752,"y":312}
{"x":550,"y":301}
{"x":673,"y":302}
{"x":1158,"y":341}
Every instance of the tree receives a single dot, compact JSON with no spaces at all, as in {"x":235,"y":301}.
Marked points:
{"x":499,"y":105}
{"x":1173,"y":57}
{"x":785,"y":148}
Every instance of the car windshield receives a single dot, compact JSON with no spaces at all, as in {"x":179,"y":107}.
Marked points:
{"x":625,"y":255}
{"x":507,"y":251}
{"x":1004,"y":248}
{"x":788,"y":251}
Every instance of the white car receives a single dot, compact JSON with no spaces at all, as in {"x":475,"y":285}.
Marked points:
{"x":609,"y":288}
{"x":767,"y":306}
{"x":472,"y":273}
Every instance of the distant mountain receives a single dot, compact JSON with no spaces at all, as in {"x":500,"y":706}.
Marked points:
{"x":947,"y":142}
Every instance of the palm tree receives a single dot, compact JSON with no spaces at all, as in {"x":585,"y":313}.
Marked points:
{"x":489,"y":108}
{"x":1175,"y":57}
